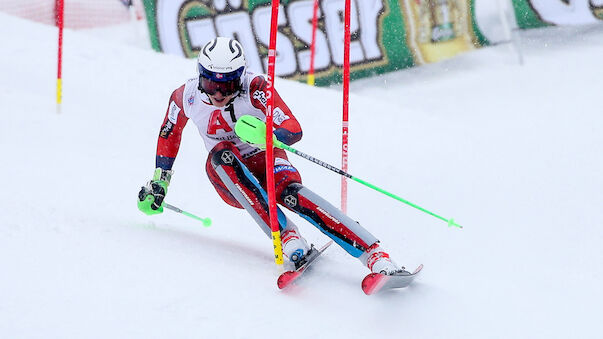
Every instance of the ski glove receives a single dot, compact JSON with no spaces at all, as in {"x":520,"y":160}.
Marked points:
{"x":150,"y":197}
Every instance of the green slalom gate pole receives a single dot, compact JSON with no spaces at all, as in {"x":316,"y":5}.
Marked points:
{"x":206,"y":221}
{"x":252,"y":130}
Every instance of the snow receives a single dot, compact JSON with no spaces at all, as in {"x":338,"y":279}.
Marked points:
{"x":512,"y":152}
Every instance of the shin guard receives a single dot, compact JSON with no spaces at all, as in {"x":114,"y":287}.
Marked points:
{"x":331,"y":221}
{"x":245,"y":188}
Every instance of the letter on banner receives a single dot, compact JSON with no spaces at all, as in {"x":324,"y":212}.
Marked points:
{"x":335,"y":30}
{"x":167,"y":25}
{"x":238,"y":25}
{"x":285,"y":53}
{"x":300,"y":14}
{"x":369,"y":27}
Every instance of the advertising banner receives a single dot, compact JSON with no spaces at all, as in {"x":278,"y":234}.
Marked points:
{"x":439,"y":29}
{"x":541,"y":13}
{"x":386,"y":35}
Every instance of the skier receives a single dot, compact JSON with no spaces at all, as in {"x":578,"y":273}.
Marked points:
{"x":223,"y":92}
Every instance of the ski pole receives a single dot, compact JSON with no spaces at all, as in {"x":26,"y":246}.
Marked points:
{"x":253,"y":130}
{"x":206,"y":221}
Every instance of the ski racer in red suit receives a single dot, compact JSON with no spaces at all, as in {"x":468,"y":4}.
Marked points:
{"x":214,"y":101}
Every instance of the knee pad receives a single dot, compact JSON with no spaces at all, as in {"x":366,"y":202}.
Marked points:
{"x":224,"y":153}
{"x":290,"y":196}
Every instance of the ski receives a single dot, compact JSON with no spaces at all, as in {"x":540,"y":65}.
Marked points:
{"x":375,"y":282}
{"x":286,"y":278}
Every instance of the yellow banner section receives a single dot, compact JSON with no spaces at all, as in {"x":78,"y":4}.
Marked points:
{"x":438,"y":29}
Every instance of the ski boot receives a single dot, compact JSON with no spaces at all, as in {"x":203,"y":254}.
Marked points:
{"x":295,"y":246}
{"x":378,"y":261}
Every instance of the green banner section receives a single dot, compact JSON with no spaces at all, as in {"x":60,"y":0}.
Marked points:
{"x":526,"y":16}
{"x":543,"y":13}
{"x":387,"y":35}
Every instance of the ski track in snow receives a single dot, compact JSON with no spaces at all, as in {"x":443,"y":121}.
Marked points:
{"x":512,"y":152}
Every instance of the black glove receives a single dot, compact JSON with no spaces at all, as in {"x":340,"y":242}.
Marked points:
{"x":152,"y":194}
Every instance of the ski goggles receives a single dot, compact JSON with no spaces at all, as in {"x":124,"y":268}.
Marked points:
{"x":227,"y":88}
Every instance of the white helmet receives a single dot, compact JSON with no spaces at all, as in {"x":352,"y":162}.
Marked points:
{"x":221,"y":62}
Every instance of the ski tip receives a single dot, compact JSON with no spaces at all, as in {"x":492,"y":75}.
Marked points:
{"x":373,"y":282}
{"x":286,"y":279}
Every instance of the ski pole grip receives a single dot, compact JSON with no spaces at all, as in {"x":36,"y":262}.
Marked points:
{"x":253,"y":131}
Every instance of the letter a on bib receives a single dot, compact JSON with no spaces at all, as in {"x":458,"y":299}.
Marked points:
{"x":216,"y":122}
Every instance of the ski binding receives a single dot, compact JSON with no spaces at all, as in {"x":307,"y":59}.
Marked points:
{"x":286,"y":278}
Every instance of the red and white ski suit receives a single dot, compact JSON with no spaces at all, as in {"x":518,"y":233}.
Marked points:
{"x":242,"y":183}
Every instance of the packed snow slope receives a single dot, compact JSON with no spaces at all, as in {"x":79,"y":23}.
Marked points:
{"x":512,"y":152}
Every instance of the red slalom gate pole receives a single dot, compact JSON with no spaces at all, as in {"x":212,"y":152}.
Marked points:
{"x":346,"y":96}
{"x":59,"y":13}
{"x":311,"y":79}
{"x":276,"y":234}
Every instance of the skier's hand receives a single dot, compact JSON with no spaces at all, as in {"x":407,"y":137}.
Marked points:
{"x":150,"y":197}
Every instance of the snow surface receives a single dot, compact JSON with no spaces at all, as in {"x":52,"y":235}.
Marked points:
{"x":512,"y":152}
